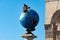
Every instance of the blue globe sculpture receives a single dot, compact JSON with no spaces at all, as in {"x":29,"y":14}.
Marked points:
{"x":29,"y":19}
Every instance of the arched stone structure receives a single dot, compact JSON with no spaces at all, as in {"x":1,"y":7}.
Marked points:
{"x":56,"y":25}
{"x":53,"y":31}
{"x":52,"y":19}
{"x":56,"y":19}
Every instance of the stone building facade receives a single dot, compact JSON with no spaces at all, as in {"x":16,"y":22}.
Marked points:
{"x":52,"y":20}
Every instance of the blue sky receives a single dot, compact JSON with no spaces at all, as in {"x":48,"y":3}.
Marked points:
{"x":10,"y":11}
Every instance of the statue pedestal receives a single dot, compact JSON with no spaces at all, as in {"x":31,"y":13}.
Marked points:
{"x":28,"y":36}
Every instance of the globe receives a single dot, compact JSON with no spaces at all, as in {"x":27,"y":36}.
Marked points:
{"x":29,"y":19}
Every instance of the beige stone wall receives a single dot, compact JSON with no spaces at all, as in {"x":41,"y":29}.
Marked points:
{"x":49,"y":38}
{"x":51,"y":8}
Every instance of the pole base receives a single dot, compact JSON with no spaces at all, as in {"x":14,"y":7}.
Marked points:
{"x":29,"y":36}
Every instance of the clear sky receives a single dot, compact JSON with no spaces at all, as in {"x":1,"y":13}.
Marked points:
{"x":10,"y":11}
